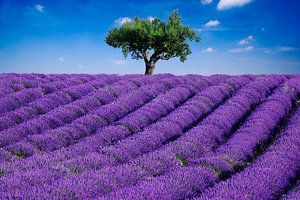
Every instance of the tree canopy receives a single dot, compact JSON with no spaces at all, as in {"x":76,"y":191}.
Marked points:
{"x":153,"y":40}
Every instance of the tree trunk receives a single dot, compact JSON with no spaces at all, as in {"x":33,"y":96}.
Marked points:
{"x":149,"y":67}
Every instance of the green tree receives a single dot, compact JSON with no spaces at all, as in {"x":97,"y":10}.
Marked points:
{"x":153,"y":40}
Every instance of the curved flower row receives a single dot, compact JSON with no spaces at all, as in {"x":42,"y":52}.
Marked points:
{"x":88,"y":124}
{"x":124,"y":175}
{"x":294,"y":194}
{"x":10,"y":83}
{"x":35,"y":128}
{"x":151,"y":137}
{"x":167,"y":167}
{"x":171,"y":126}
{"x":268,"y":176}
{"x":50,"y":100}
{"x":169,"y":82}
{"x":131,"y":124}
{"x":47,"y":120}
{"x":15,"y":100}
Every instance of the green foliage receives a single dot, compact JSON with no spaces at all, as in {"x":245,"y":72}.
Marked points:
{"x":76,"y":170}
{"x":183,"y":161}
{"x":165,"y":40}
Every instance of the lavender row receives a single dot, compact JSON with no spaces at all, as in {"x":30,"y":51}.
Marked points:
{"x":146,"y":115}
{"x":53,"y":99}
{"x":154,"y":110}
{"x":180,"y":183}
{"x":209,"y":133}
{"x":95,"y":159}
{"x":36,"y":79}
{"x":62,"y":115}
{"x":11,"y":83}
{"x":80,"y":90}
{"x":75,"y":80}
{"x":173,"y":125}
{"x":268,"y":176}
{"x":66,"y":113}
{"x":15,"y":100}
{"x":176,"y":156}
{"x":136,"y":121}
{"x":132,"y":123}
{"x":15,"y":82}
{"x":87,"y":124}
{"x":293,"y":194}
{"x":105,"y":96}
{"x":18,"y":99}
{"x":146,"y":89}
{"x":242,"y":146}
{"x":109,"y":112}
{"x":108,"y":135}
{"x":34,"y":165}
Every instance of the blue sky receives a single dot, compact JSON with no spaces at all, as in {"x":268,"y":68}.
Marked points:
{"x":67,"y":36}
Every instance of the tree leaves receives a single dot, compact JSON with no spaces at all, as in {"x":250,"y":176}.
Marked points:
{"x":141,"y":36}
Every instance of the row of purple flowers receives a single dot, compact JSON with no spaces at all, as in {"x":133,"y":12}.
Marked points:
{"x":155,"y":89}
{"x":172,"y":172}
{"x":95,"y":159}
{"x":170,"y":137}
{"x":17,"y":96}
{"x":87,"y":99}
{"x":55,"y":97}
{"x":272,"y":173}
{"x":100,"y":117}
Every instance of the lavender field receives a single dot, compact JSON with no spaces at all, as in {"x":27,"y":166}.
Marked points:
{"x":79,"y":136}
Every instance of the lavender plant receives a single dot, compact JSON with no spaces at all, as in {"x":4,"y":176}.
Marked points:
{"x":77,"y":136}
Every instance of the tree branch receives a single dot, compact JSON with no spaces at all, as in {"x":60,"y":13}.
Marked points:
{"x":162,"y":58}
{"x":155,"y":56}
{"x":145,"y":56}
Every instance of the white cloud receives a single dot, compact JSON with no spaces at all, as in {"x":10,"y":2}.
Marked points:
{"x":269,"y":51}
{"x":204,"y":2}
{"x":212,"y":23}
{"x":39,"y":7}
{"x":246,"y":41}
{"x":249,"y":48}
{"x":123,"y":20}
{"x":80,"y":66}
{"x":262,"y":29}
{"x":226,"y":4}
{"x":208,"y":50}
{"x":150,"y":18}
{"x":119,"y":62}
{"x":280,"y":49}
{"x":238,"y":50}
{"x":61,"y":59}
{"x":243,"y":42}
{"x":210,"y":29}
